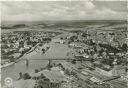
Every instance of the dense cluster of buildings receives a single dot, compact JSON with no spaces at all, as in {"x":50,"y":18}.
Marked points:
{"x":106,"y":49}
{"x":15,"y":44}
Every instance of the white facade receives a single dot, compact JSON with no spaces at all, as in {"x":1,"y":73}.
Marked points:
{"x":116,"y":71}
{"x":58,"y":40}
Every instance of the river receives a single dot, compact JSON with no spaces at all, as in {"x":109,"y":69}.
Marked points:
{"x":55,"y":51}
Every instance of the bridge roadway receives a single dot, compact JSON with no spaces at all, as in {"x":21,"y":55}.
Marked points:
{"x":58,"y":59}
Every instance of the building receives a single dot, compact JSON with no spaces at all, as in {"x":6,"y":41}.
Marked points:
{"x":58,"y":40}
{"x":16,"y":55}
{"x":76,"y":45}
{"x":116,"y":71}
{"x":95,"y":80}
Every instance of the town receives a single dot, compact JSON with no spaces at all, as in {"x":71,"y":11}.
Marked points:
{"x":97,"y":58}
{"x":64,"y":44}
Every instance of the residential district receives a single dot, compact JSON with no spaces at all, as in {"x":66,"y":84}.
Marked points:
{"x":97,"y":58}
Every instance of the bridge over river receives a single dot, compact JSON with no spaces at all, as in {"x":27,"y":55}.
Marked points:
{"x":36,"y":61}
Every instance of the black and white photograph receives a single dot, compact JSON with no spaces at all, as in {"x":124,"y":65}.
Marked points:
{"x":64,"y":44}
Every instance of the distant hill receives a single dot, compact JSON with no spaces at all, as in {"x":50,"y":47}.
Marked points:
{"x":13,"y":26}
{"x":61,"y":24}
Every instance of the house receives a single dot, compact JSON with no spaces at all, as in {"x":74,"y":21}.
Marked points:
{"x":72,"y":44}
{"x":16,"y":44}
{"x":16,"y":55}
{"x":21,"y":49}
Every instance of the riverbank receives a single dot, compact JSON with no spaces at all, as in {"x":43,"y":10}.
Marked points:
{"x":8,"y":64}
{"x":20,"y":57}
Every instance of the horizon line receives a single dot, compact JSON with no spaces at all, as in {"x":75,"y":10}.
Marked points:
{"x":65,"y":20}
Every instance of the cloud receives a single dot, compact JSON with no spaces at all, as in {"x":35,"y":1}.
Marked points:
{"x":89,"y":5}
{"x":63,"y":10}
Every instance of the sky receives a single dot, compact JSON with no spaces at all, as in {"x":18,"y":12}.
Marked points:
{"x":63,"y":10}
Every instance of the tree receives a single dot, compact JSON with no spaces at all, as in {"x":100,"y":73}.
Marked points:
{"x":67,"y":72}
{"x":26,"y":76}
{"x":12,"y":59}
{"x":36,"y":70}
{"x":43,"y":50}
{"x":73,"y":61}
{"x":84,"y":34}
{"x":42,"y":76}
{"x":124,"y":47}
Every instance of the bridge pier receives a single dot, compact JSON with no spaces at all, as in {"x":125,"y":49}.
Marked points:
{"x":27,"y":62}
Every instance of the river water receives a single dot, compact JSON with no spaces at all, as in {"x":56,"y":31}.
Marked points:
{"x":55,"y":51}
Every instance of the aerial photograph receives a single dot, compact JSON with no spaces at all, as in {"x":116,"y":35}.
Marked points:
{"x":64,"y":44}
